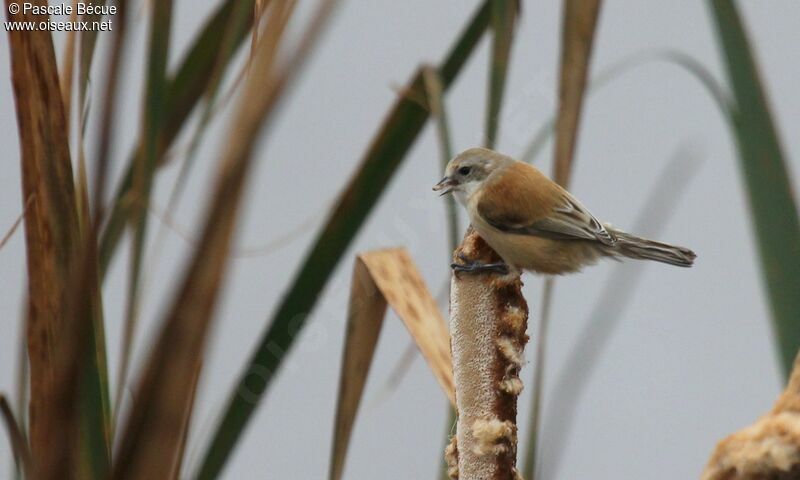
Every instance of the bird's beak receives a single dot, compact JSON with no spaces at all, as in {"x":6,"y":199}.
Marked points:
{"x":445,"y":185}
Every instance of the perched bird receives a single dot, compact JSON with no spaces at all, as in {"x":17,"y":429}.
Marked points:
{"x":533,"y":223}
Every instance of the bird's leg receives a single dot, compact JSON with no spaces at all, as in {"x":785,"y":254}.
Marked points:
{"x":477,"y":267}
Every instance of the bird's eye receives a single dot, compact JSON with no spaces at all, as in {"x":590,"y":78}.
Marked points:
{"x":464,"y":171}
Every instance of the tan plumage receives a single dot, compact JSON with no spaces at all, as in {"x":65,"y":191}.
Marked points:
{"x":534,"y":224}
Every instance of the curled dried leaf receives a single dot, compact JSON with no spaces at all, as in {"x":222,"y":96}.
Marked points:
{"x":381,"y":278}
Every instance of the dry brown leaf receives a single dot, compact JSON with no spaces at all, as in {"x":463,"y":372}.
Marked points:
{"x":401,"y":284}
{"x":152,"y":434}
{"x":381,"y":277}
{"x":580,"y":19}
{"x":151,"y":440}
{"x":51,"y":234}
{"x":185,"y":423}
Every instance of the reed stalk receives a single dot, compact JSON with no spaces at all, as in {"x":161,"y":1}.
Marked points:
{"x":488,"y":319}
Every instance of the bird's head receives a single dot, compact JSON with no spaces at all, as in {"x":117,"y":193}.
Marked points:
{"x":467,"y":172}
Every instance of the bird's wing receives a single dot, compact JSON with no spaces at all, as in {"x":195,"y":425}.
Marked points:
{"x":523,"y":214}
{"x":573,"y":220}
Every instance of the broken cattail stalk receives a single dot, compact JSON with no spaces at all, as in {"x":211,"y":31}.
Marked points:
{"x":767,"y":449}
{"x":488,"y":319}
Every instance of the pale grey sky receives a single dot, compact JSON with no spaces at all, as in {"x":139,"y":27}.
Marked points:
{"x":691,"y":359}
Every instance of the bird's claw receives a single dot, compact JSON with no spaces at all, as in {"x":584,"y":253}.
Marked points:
{"x":477,"y":267}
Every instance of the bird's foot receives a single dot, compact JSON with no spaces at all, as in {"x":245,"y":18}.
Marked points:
{"x":477,"y":267}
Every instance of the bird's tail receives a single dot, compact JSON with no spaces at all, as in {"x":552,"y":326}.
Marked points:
{"x":631,"y":246}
